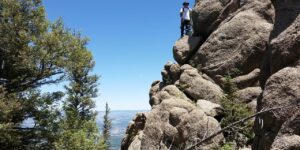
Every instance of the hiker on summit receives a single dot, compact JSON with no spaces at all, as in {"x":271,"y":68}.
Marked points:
{"x":185,"y":19}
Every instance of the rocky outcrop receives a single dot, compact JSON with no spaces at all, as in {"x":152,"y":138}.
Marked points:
{"x":243,"y":81}
{"x":260,"y":39}
{"x":171,"y":73}
{"x":237,"y":43}
{"x":285,"y":37}
{"x":196,"y":87}
{"x":282,"y":89}
{"x":249,"y":96}
{"x":174,"y":123}
{"x":210,"y":109}
{"x":185,"y":48}
{"x":205,"y":13}
{"x":289,"y":135}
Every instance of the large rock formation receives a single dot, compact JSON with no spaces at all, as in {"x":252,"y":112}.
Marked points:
{"x":174,"y":122}
{"x":205,"y":13}
{"x":281,"y":89}
{"x":239,"y":42}
{"x":273,"y":130}
{"x":261,"y":39}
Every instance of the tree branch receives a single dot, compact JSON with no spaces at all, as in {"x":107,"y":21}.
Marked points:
{"x":238,"y":122}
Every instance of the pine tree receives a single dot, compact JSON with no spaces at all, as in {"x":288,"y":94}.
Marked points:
{"x":35,"y":52}
{"x":79,"y":129}
{"x":107,"y":125}
{"x":235,"y":110}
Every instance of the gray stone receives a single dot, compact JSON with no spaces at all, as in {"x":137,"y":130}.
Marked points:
{"x":190,"y":129}
{"x":281,"y":89}
{"x":196,"y":87}
{"x":288,"y":142}
{"x":285,"y":37}
{"x":170,"y":73}
{"x":185,"y":47}
{"x":205,"y":13}
{"x":209,"y":108}
{"x":249,"y":94}
{"x":237,"y":43}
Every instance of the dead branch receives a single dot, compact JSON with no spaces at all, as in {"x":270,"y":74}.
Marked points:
{"x":171,"y":144}
{"x":237,"y":123}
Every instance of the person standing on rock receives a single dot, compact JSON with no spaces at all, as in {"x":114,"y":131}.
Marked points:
{"x":185,"y":19}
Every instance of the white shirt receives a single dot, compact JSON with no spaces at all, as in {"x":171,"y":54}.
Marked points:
{"x":185,"y":13}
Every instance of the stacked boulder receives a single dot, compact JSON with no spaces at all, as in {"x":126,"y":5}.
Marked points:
{"x":261,"y":39}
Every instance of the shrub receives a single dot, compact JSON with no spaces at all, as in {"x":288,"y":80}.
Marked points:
{"x":235,"y":110}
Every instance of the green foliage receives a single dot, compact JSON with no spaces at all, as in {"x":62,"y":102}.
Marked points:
{"x":35,"y":52}
{"x":107,"y":124}
{"x":8,"y":106}
{"x":235,"y":110}
{"x":83,"y":87}
{"x":228,"y":146}
{"x":78,"y":129}
{"x":85,"y":137}
{"x":234,"y":72}
{"x":42,"y":135}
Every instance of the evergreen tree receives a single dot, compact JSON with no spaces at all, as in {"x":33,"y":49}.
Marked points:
{"x":86,"y":137}
{"x":235,"y":110}
{"x":35,"y":52}
{"x":79,"y":129}
{"x":107,"y":125}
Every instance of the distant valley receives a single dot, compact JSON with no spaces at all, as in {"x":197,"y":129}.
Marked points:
{"x":120,"y":120}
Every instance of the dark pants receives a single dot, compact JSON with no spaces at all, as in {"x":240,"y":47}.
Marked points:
{"x":185,"y":26}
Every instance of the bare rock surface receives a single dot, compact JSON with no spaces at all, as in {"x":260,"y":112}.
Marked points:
{"x":285,"y":38}
{"x":209,"y":108}
{"x":249,"y":80}
{"x":170,"y":73}
{"x":289,"y":135}
{"x":205,"y":13}
{"x":185,"y":47}
{"x":175,"y":123}
{"x":248,"y":94}
{"x":239,"y":42}
{"x":261,"y":39}
{"x":196,"y":87}
{"x":282,"y":89}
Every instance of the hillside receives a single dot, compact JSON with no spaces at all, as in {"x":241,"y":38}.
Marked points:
{"x":252,"y":45}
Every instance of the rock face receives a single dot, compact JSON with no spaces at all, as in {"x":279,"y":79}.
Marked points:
{"x":237,"y":43}
{"x":288,"y":137}
{"x":174,"y":122}
{"x":196,"y":87}
{"x":285,"y":37}
{"x":282,"y":89}
{"x":185,"y":48}
{"x":205,"y":13}
{"x":249,"y":95}
{"x":260,"y":39}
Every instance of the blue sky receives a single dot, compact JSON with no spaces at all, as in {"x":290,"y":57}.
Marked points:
{"x":130,"y":40}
